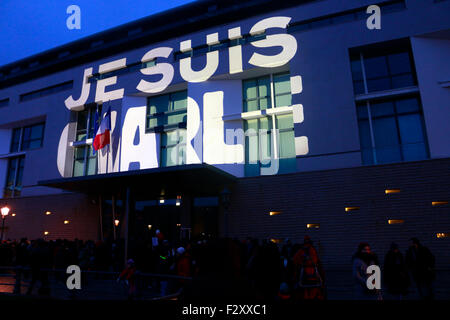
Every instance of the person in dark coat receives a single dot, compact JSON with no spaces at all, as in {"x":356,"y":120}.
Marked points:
{"x":362,"y":259}
{"x":421,"y":262}
{"x":395,"y":273}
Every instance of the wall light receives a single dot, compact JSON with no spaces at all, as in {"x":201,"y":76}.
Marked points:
{"x":149,"y":227}
{"x":13,"y":215}
{"x":347,"y":209}
{"x":313,"y":225}
{"x":276,"y":240}
{"x":46,"y":233}
{"x":389,"y":191}
{"x":116,"y":222}
{"x":48,"y":213}
{"x":178,"y":224}
{"x":161,"y":201}
{"x":439,"y":203}
{"x":442,"y":235}
{"x":274,"y":213}
{"x":396,"y":221}
{"x":66,"y":221}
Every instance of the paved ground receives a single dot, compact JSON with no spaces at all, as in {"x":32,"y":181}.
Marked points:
{"x":339,"y":287}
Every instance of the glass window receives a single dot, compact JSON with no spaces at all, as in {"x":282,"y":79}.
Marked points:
{"x":285,"y":125}
{"x":397,"y":129}
{"x":407,"y":105}
{"x":169,"y":112}
{"x":282,"y":90}
{"x":173,"y":148}
{"x":258,"y":144}
{"x":32,"y":137}
{"x":166,"y":110}
{"x":14,"y":177}
{"x":27,"y":138}
{"x":15,"y":141}
{"x":259,"y":133}
{"x":85,"y":162}
{"x":86,"y":123}
{"x":384,"y":69}
{"x":257,"y":94}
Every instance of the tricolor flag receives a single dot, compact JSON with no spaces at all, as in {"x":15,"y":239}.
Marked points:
{"x":103,"y":134}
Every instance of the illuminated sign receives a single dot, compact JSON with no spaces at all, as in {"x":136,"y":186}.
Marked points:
{"x":210,"y":139}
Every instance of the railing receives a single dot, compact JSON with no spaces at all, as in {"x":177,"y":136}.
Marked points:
{"x":95,"y":285}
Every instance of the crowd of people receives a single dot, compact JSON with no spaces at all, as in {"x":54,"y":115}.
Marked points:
{"x":218,"y":269}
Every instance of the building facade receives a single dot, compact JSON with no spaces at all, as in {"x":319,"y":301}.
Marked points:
{"x":259,"y":119}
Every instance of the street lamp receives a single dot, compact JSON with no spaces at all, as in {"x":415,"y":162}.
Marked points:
{"x":5,"y":212}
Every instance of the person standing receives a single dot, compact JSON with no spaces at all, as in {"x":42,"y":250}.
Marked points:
{"x":129,"y":276}
{"x":362,"y":259}
{"x":395,"y":273}
{"x":308,"y":272}
{"x":421,"y":262}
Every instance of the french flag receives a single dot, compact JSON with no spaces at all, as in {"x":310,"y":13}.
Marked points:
{"x":103,"y":135}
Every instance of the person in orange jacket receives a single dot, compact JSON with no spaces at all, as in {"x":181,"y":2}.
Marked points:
{"x":129,"y":276}
{"x":308,"y":272}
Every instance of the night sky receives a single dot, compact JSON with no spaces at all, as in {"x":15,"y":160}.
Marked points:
{"x":30,"y":27}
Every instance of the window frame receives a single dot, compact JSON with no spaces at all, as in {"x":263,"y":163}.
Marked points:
{"x":170,"y":111}
{"x":382,"y":52}
{"x":21,"y":138}
{"x":273,"y":132}
{"x":369,"y":105}
{"x":16,"y":174}
{"x":177,"y":145}
{"x":83,"y":143}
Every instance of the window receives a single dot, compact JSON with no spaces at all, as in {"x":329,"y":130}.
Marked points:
{"x":391,"y":131}
{"x":391,"y":127}
{"x":169,"y":110}
{"x":262,"y":142}
{"x":173,"y":147}
{"x":27,"y":138}
{"x":4,"y":102}
{"x":383,"y":69}
{"x":85,"y":162}
{"x":257,"y":92}
{"x":85,"y":124}
{"x":46,"y":91}
{"x":167,"y":114}
{"x":14,"y":177}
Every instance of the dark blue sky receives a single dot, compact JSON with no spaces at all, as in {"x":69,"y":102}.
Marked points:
{"x":28,"y":27}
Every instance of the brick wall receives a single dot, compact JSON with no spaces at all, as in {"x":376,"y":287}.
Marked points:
{"x":31,"y":221}
{"x":321,"y":196}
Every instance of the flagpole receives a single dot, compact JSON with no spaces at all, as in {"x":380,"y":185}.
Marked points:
{"x":107,"y":156}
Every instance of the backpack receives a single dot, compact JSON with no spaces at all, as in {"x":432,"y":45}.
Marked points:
{"x":309,"y":273}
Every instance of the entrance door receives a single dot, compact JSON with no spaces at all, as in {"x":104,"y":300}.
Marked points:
{"x":205,"y":222}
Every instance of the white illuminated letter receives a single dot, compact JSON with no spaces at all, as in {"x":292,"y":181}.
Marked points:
{"x":137,"y":147}
{"x":286,"y":41}
{"x":166,"y":69}
{"x":212,"y":61}
{"x":78,"y":105}
{"x":215,"y":150}
{"x":100,"y":95}
{"x":235,"y":52}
